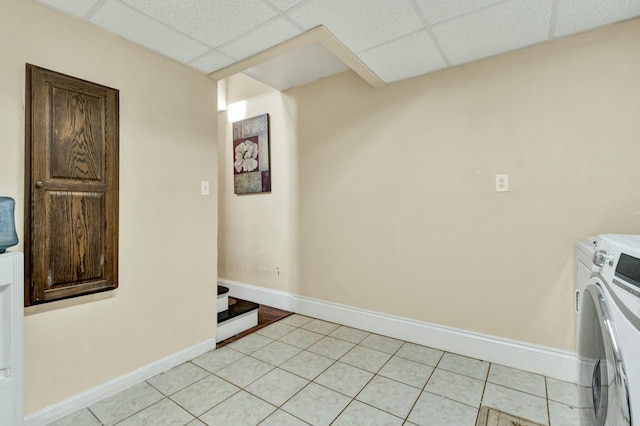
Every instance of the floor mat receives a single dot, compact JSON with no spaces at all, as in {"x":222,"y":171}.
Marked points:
{"x":489,"y":416}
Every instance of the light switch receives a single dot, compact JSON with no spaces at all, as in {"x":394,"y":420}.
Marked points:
{"x":204,"y":187}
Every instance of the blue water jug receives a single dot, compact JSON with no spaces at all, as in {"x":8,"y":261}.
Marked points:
{"x":8,"y":235}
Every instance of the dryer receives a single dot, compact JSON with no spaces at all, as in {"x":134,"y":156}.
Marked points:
{"x":609,"y":334}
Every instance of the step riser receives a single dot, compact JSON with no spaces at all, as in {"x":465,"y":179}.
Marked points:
{"x":223,"y":302}
{"x":235,"y":319}
{"x":236,"y":325}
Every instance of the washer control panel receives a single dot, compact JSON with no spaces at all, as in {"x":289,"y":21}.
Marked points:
{"x":617,"y":260}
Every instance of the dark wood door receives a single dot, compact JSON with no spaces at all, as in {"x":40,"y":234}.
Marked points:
{"x":71,"y":187}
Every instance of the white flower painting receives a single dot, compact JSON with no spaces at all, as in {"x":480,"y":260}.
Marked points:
{"x":246,"y":156}
{"x":251,"y":168}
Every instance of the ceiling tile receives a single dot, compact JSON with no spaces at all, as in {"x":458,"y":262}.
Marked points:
{"x":389,"y":35}
{"x":274,"y":32}
{"x":74,"y":7}
{"x":213,"y":22}
{"x":574,"y":16}
{"x":211,"y":62}
{"x":359,"y":24}
{"x":501,"y":28}
{"x":303,"y":65}
{"x":441,"y":10}
{"x":128,"y":23}
{"x":407,"y":57}
{"x":285,"y":4}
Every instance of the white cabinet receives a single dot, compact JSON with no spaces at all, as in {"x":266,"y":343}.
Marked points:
{"x":11,"y":338}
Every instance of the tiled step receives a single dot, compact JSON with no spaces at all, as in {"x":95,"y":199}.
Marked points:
{"x":223,"y":298}
{"x":241,"y":315}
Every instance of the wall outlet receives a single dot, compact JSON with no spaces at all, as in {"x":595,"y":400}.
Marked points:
{"x":502,"y":183}
{"x":204,"y":187}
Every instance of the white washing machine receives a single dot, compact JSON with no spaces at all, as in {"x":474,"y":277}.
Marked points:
{"x":609,"y":334}
{"x":584,"y":267}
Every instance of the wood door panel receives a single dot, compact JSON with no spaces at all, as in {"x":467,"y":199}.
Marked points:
{"x":76,"y":132}
{"x":71,"y":187}
{"x":78,"y":245}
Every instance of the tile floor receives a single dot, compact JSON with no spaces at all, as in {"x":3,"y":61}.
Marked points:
{"x":302,"y":371}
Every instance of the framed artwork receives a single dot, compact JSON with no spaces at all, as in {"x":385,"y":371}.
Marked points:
{"x":251,"y":172}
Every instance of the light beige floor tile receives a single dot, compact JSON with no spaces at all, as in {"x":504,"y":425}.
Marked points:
{"x":418,"y":353}
{"x":241,"y":409}
{"x":282,"y":418}
{"x":330,"y":347}
{"x":307,"y":365}
{"x":433,"y":409}
{"x":463,"y":365}
{"x":277,"y":386}
{"x":126,"y":403}
{"x":451,"y":395}
{"x":247,"y":370}
{"x":296,"y":320}
{"x":382,"y":343}
{"x":365,"y":358}
{"x":351,"y":335}
{"x":216,"y":359}
{"x":316,"y":405}
{"x":276,"y":330}
{"x":454,"y":386}
{"x":517,"y":379}
{"x":344,"y":378}
{"x":358,"y":413}
{"x":276,"y":353}
{"x":301,"y":338}
{"x":564,"y":415}
{"x":563,"y":392}
{"x":163,"y":413}
{"x":177,"y":378}
{"x":321,"y":327}
{"x":204,"y":395}
{"x":388,"y":395}
{"x":83,"y":417}
{"x":517,"y":403}
{"x":249,"y":344}
{"x":406,"y":371}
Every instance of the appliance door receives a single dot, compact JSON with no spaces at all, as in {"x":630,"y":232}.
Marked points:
{"x":11,"y":327}
{"x":604,"y":387}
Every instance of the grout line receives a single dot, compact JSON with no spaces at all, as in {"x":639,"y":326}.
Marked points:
{"x":376,"y":373}
{"x":94,"y":415}
{"x":546,"y":392}
{"x":484,"y":389}
{"x":309,"y":380}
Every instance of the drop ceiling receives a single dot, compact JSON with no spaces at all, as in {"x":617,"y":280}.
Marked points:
{"x":392,"y":40}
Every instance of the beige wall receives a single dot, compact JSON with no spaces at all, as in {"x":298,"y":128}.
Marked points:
{"x":257,"y":233}
{"x":393,"y":188}
{"x":166,"y":298}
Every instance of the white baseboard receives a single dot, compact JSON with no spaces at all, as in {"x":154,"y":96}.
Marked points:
{"x":112,"y":387}
{"x":551,"y":362}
